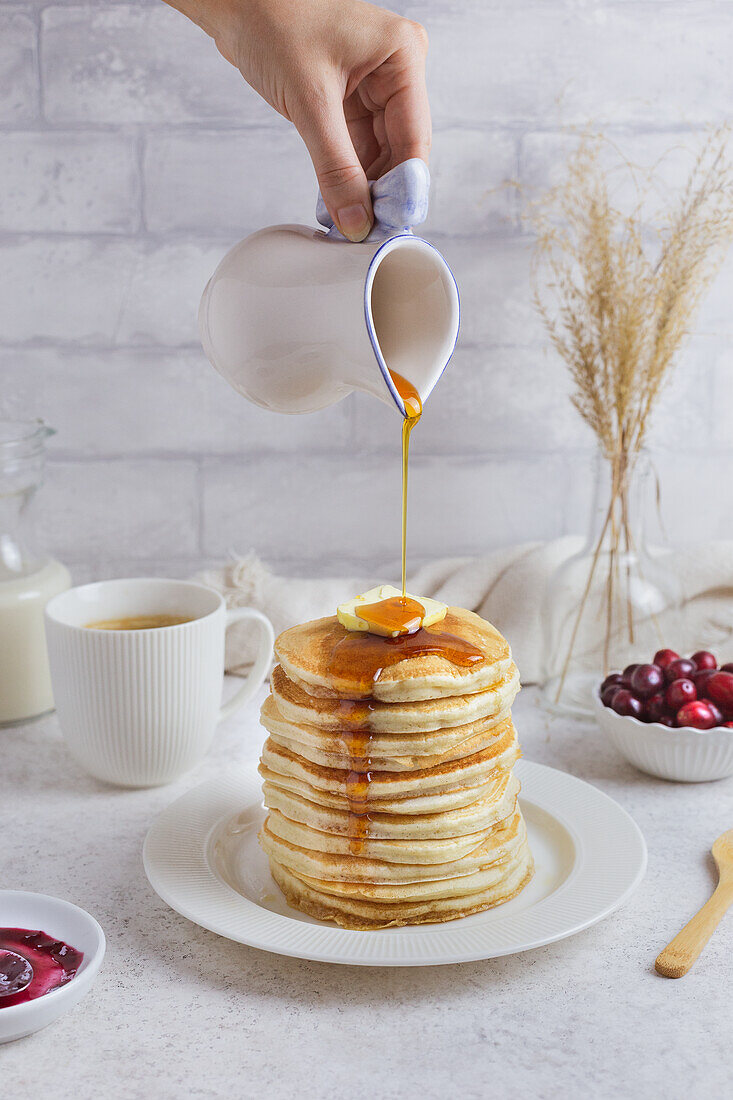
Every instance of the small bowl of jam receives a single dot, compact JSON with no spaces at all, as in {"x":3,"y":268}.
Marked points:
{"x":50,"y":954}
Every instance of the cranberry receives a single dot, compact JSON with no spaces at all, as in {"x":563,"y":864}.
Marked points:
{"x":719,"y":688}
{"x":655,"y":708}
{"x":627,"y":704}
{"x":666,"y":720}
{"x":727,"y":668}
{"x":717,"y":715}
{"x":627,"y":674}
{"x":614,"y":680}
{"x":700,"y":679}
{"x":679,"y":669}
{"x":608,"y":693}
{"x":664,"y":657}
{"x":646,"y":680}
{"x":696,"y":714}
{"x":728,"y":725}
{"x":680,"y":692}
{"x":704,"y":659}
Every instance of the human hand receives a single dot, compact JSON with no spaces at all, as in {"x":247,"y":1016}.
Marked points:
{"x":348,"y":75}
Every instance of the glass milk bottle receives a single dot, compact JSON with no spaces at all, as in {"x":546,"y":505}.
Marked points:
{"x":28,"y":578}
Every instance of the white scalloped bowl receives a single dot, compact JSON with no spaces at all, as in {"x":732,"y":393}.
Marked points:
{"x":686,"y":755}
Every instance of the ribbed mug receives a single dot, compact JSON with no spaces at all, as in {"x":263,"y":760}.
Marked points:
{"x":139,"y":707}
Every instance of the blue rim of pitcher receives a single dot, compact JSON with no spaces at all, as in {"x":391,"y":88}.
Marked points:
{"x":371,"y":270}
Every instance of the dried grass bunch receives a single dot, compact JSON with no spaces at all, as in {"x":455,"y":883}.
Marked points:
{"x":617,"y":292}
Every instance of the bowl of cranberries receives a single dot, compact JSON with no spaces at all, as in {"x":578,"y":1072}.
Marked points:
{"x":673,"y":717}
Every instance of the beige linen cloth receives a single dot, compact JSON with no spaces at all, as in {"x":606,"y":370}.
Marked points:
{"x":507,"y":586}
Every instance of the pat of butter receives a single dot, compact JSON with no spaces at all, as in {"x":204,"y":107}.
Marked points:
{"x":348,"y":613}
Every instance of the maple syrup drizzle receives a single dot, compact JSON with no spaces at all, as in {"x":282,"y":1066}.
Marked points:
{"x":397,"y":614}
{"x":413,"y":412}
{"x":358,"y":745}
{"x":356,"y":661}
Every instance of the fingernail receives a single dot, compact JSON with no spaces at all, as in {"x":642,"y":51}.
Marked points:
{"x":353,"y":221}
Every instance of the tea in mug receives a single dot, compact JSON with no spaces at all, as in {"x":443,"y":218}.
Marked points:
{"x":140,"y":622}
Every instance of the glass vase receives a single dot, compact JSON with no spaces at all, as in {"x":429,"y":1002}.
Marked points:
{"x":617,"y":601}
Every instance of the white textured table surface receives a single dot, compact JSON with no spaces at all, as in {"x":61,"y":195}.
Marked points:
{"x":178,"y":1012}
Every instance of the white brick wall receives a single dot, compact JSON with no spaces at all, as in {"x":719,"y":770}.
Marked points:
{"x":132,"y":156}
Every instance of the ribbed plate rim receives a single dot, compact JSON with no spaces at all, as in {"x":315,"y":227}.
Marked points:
{"x":610,"y":861}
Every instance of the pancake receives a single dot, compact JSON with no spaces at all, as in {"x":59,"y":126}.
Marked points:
{"x":496,"y":801}
{"x":391,"y":750}
{"x":468,"y":771}
{"x":458,"y":797}
{"x":362,"y":913}
{"x":395,"y":881}
{"x":434,"y":850}
{"x":311,"y":852}
{"x":398,"y":807}
{"x":306,"y":654}
{"x":338,"y":750}
{"x":420,"y":716}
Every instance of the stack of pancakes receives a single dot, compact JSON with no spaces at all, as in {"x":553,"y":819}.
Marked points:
{"x":400,"y":808}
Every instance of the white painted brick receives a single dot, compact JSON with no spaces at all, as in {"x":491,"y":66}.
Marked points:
{"x":236,"y":181}
{"x":571,"y":62}
{"x":470,"y":171}
{"x":501,"y":453}
{"x":139,"y":64}
{"x":667,"y":157}
{"x":493,"y":278}
{"x":68,"y":182}
{"x":120,"y":508}
{"x":162,"y":300}
{"x":349,"y":511}
{"x":107,"y":569}
{"x":715,"y":317}
{"x":695,"y":497}
{"x":495,"y":284}
{"x":686,"y":415}
{"x":138,"y":401}
{"x":18,"y":80}
{"x":57,"y":289}
{"x":489,"y":401}
{"x":263,"y":178}
{"x":319,"y":507}
{"x":103,"y":291}
{"x":720,"y":418}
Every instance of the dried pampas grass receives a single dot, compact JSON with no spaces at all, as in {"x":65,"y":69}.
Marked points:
{"x":617,"y":294}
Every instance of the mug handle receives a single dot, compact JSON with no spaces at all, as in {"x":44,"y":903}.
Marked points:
{"x":262,"y":662}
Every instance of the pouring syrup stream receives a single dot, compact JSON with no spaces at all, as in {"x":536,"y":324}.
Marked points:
{"x":357,"y":660}
{"x":413,"y":411}
{"x":398,"y":613}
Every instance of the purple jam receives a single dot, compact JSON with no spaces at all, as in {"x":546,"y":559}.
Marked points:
{"x":54,"y":963}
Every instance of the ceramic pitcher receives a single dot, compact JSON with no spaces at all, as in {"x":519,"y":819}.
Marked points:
{"x":296,"y":318}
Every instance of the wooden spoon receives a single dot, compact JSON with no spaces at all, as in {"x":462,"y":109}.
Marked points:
{"x":679,"y":955}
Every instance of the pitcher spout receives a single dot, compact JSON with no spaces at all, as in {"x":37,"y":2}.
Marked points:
{"x":412,"y":316}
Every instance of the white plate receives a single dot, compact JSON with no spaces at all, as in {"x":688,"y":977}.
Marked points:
{"x":589,"y":855}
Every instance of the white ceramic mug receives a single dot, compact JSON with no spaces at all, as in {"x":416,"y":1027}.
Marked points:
{"x":139,"y":707}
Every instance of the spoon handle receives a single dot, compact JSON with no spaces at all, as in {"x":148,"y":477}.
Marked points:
{"x":679,"y":955}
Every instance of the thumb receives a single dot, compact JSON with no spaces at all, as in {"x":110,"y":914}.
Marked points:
{"x":341,"y":178}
